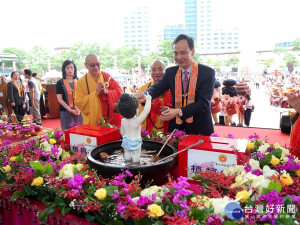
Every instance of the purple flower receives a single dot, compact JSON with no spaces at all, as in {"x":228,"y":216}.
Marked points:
{"x":144,"y":133}
{"x":45,"y":137}
{"x":259,"y":155}
{"x":230,"y":136}
{"x":46,"y":154}
{"x":129,"y":199}
{"x":179,"y":133}
{"x":183,"y":205}
{"x":37,"y":151}
{"x":182,"y":213}
{"x":5,"y":145}
{"x":296,"y":199}
{"x":255,"y":136}
{"x":269,"y":149}
{"x":115,"y":195}
{"x":181,"y":183}
{"x":251,"y":215}
{"x":257,"y":172}
{"x":76,"y":182}
{"x":128,"y":173}
{"x":121,"y":209}
{"x":290,"y":164}
{"x":214,"y":220}
{"x":214,"y":135}
{"x":58,"y":134}
{"x":143,"y":200}
{"x":247,"y":168}
{"x":55,"y":150}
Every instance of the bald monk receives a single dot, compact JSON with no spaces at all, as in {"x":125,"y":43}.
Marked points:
{"x":153,"y":121}
{"x":96,"y":94}
{"x":3,"y":95}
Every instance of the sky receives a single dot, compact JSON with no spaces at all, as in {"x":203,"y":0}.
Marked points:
{"x":61,"y":23}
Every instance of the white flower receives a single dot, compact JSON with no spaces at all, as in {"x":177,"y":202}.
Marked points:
{"x":268,"y":172}
{"x":254,"y":164}
{"x":263,"y":148}
{"x":219,"y":205}
{"x":259,"y":183}
{"x":234,"y":170}
{"x":68,"y":170}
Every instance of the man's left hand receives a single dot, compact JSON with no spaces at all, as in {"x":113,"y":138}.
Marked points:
{"x":169,"y":114}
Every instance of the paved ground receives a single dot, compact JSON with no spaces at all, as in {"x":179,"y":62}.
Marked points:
{"x":264,"y":115}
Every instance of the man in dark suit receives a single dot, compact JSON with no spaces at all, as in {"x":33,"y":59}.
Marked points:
{"x":191,"y":86}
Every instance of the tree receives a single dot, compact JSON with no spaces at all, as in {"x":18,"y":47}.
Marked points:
{"x":290,"y":58}
{"x":38,"y":59}
{"x":269,"y":62}
{"x":126,"y":58}
{"x":20,"y":53}
{"x":280,"y":50}
{"x":232,"y":61}
{"x":165,"y":51}
{"x":296,"y":45}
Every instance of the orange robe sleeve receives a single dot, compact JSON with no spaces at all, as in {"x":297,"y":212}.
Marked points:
{"x":108,"y":101}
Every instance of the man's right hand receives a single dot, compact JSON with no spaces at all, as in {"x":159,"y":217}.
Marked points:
{"x":13,"y":104}
{"x":140,"y":96}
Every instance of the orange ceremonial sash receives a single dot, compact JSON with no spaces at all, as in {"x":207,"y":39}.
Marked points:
{"x":71,"y":93}
{"x":19,"y":87}
{"x":189,"y":97}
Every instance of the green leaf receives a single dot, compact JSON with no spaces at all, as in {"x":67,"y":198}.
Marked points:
{"x":30,"y":190}
{"x":274,"y":186}
{"x":89,"y":217}
{"x":118,"y":222}
{"x":65,"y":210}
{"x":158,"y":223}
{"x":277,"y":153}
{"x":19,"y":159}
{"x":38,"y":173}
{"x":153,"y":133}
{"x":48,"y":168}
{"x":18,"y":194}
{"x":111,"y":190}
{"x":284,"y":218}
{"x":36,"y":166}
{"x":267,"y":159}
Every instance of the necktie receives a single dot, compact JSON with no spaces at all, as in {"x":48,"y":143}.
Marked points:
{"x":185,"y":81}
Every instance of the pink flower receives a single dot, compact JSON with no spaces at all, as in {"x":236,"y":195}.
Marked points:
{"x":214,"y":220}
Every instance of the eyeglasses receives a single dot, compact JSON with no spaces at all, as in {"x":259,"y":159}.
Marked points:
{"x":93,"y":65}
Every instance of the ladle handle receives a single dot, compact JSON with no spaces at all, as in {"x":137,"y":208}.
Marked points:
{"x":166,"y":142}
{"x":187,"y":148}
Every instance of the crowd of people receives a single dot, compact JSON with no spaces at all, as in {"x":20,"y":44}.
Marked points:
{"x":14,"y":98}
{"x":186,"y":97}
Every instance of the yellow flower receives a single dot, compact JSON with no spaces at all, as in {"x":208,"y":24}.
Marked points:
{"x":52,"y":141}
{"x":250,"y":145}
{"x":65,"y":155}
{"x":202,"y":201}
{"x":274,"y":161}
{"x":7,"y":168}
{"x":298,"y":173}
{"x":101,"y":193}
{"x":155,"y":211}
{"x":86,"y":176}
{"x":37,"y":181}
{"x":13,"y":158}
{"x":244,"y":194}
{"x":286,"y":179}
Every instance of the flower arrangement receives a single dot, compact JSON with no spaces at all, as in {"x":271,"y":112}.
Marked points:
{"x":266,"y":187}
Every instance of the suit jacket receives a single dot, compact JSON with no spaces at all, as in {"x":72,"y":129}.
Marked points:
{"x":13,"y":94}
{"x":200,"y":109}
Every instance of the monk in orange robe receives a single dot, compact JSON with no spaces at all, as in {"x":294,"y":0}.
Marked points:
{"x":96,"y":94}
{"x":3,"y":95}
{"x":153,"y":122}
